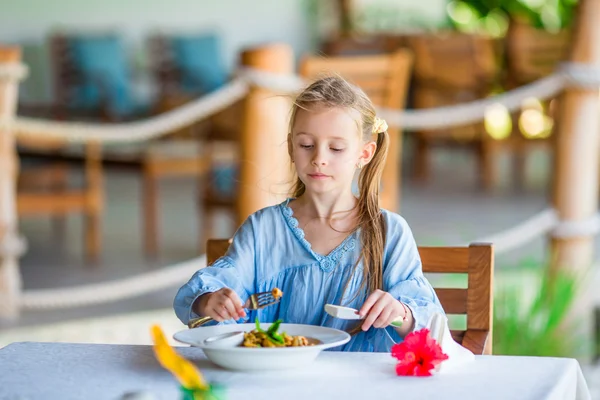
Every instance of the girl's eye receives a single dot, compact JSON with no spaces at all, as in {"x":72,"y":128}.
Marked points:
{"x":306,"y":146}
{"x":336,"y":150}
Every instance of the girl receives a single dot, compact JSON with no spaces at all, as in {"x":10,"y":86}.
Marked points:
{"x":324,"y":245}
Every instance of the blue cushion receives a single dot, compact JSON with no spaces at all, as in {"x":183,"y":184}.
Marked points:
{"x":103,"y":64}
{"x":225,"y":178}
{"x":199,"y":59}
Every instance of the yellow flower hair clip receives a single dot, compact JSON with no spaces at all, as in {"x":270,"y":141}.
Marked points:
{"x":193,"y":386}
{"x":379,"y":125}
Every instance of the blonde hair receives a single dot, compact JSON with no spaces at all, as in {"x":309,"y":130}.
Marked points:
{"x":335,"y":92}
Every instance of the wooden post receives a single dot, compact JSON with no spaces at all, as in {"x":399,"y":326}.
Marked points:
{"x":576,"y":172}
{"x":578,"y":146}
{"x":264,"y":163}
{"x":391,"y":179}
{"x":10,"y":279}
{"x":391,"y":176}
{"x":345,"y":17}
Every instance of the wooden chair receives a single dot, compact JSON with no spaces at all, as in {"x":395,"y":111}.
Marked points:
{"x":46,"y":191}
{"x":477,"y":261}
{"x":166,"y":159}
{"x":384,"y":78}
{"x":453,"y":68}
{"x":219,"y":133}
{"x":85,"y":86}
{"x":533,"y":53}
{"x":177,"y":155}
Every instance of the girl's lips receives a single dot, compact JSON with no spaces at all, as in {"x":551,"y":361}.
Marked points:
{"x":318,"y":176}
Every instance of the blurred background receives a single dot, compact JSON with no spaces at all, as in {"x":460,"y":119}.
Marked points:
{"x":114,"y":62}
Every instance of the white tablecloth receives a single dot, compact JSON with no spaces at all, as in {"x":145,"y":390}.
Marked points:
{"x":90,"y":371}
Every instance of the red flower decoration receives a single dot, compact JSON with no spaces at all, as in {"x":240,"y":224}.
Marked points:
{"x":418,"y":354}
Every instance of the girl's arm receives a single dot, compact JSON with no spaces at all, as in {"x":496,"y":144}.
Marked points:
{"x":235,"y":270}
{"x":403,"y":276}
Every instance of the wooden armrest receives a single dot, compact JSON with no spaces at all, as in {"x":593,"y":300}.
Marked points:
{"x":476,"y":340}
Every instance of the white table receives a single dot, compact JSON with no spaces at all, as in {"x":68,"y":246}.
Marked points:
{"x":91,"y":371}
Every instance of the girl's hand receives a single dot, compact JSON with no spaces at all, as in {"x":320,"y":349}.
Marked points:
{"x":380,"y":309}
{"x":221,"y":305}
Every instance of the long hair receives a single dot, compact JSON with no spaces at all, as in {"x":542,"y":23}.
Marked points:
{"x":335,"y":92}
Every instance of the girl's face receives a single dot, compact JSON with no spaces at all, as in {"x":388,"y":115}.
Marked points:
{"x":326,"y":147}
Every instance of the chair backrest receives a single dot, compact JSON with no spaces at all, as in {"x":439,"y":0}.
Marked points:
{"x":192,"y":64}
{"x":383,"y":77}
{"x":477,"y":261}
{"x":362,"y":45}
{"x":92,"y":71}
{"x":66,"y":77}
{"x":453,"y":68}
{"x":455,"y":62}
{"x":533,"y":53}
{"x":476,"y":301}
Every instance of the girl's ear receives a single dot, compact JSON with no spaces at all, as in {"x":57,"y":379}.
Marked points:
{"x":368,"y":152}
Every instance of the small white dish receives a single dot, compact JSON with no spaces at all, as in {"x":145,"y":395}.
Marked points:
{"x":352,"y":313}
{"x":262,"y":359}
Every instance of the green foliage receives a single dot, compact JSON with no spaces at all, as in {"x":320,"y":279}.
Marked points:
{"x":493,"y":15}
{"x":544,"y":326}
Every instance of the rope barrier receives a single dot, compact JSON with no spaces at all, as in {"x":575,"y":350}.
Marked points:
{"x":13,"y":71}
{"x":13,"y":246}
{"x":533,"y":227}
{"x":137,"y":131}
{"x":581,"y":76}
{"x":107,"y":292}
{"x":462,"y":114}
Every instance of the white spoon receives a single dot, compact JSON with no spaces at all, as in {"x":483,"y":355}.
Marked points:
{"x":229,"y":339}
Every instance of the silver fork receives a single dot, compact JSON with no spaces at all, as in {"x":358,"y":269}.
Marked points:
{"x":256,"y":301}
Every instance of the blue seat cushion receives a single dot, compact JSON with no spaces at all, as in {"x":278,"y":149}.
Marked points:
{"x":103,"y":65}
{"x":199,"y":59}
{"x":224,"y":179}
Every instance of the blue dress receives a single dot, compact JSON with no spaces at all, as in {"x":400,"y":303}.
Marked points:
{"x":269,"y":250}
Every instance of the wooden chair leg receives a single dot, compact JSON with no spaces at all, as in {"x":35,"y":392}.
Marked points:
{"x":486,"y":151}
{"x":150,"y":207}
{"x":422,"y":161}
{"x":200,"y":214}
{"x":207,"y":227}
{"x":519,"y":159}
{"x":59,"y":226}
{"x":94,"y":202}
{"x":60,"y":176}
{"x":92,"y":236}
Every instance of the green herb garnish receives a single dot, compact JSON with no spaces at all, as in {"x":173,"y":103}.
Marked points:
{"x":271,"y":333}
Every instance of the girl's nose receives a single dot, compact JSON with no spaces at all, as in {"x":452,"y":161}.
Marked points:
{"x":318,"y":161}
{"x":319,"y":157}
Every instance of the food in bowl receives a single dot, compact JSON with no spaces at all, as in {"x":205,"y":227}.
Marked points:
{"x":271,"y":338}
{"x":234,"y":356}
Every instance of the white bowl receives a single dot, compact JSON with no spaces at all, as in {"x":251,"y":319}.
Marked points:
{"x":231,"y":356}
